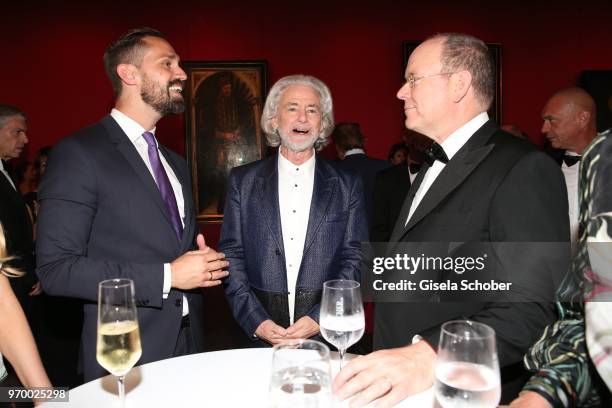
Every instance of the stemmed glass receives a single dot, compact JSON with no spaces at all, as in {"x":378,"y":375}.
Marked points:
{"x":300,"y":375}
{"x":118,"y":346}
{"x":467,"y":368}
{"x":341,"y":316}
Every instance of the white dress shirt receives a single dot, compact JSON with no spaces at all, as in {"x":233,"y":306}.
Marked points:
{"x":134,"y":132}
{"x":3,"y":171}
{"x":295,"y":184}
{"x":571,"y":181}
{"x":451,"y":146}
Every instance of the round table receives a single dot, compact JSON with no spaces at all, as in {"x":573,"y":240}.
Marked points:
{"x":229,"y":378}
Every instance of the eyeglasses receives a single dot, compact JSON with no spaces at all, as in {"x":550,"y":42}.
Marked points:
{"x":411,"y":80}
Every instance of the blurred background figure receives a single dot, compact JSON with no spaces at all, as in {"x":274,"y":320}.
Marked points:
{"x":398,"y":154}
{"x":16,"y":341}
{"x":350,"y":146}
{"x":516,"y":131}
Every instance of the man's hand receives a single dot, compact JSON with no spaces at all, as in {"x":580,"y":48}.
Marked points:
{"x":304,"y":328}
{"x":530,"y":399}
{"x":36,"y":289}
{"x":390,"y":375}
{"x":201,"y":268}
{"x":271,"y":332}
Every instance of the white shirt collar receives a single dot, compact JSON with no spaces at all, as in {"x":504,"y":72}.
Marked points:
{"x":356,"y":150}
{"x":286,"y":167}
{"x":459,"y":137}
{"x":132,"y":129}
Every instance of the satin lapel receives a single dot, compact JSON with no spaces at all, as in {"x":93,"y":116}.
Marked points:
{"x":129,"y":152}
{"x":322,"y":192}
{"x":398,"y":229}
{"x":456,"y":171}
{"x":268,"y":197}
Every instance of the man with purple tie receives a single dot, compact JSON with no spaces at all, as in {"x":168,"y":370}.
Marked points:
{"x":116,"y":204}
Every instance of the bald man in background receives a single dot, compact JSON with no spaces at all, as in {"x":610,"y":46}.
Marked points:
{"x":570,"y":123}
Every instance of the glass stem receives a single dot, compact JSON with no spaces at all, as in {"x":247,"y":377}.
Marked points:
{"x":121,"y":386}
{"x":341,"y":352}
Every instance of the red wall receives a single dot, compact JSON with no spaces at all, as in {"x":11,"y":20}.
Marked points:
{"x":52,"y":55}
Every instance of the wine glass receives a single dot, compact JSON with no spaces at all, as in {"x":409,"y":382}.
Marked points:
{"x":467,"y":368}
{"x":118,"y":346}
{"x":300,"y":375}
{"x":341,"y":317}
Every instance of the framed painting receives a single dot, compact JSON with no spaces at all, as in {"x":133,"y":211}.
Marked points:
{"x":224,"y":102}
{"x":495,"y":111}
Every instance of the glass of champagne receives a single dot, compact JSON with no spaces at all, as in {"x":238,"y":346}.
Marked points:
{"x":467,"y":368}
{"x":341,"y":317}
{"x":301,"y":375}
{"x":118,"y":344}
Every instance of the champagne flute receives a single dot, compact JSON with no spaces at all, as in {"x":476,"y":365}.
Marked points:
{"x":300,"y":375}
{"x":341,"y":317}
{"x":467,"y":368}
{"x":118,"y":346}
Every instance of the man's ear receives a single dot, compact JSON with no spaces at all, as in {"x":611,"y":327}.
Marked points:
{"x":274,"y":122}
{"x":460,"y":85}
{"x":128,"y":73}
{"x":583,"y":118}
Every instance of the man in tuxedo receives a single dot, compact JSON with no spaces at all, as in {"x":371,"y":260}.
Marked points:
{"x":480,"y":185}
{"x":570,"y":124}
{"x":292,"y":221}
{"x":116,"y":204}
{"x":14,"y":214}
{"x":349,"y":143}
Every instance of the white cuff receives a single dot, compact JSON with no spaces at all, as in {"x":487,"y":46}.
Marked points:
{"x":167,"y":281}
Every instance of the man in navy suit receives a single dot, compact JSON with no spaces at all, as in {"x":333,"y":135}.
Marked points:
{"x":115,"y":204}
{"x":291,"y":221}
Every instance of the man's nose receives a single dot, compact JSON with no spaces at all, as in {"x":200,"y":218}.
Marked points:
{"x":545,"y":127}
{"x":404,"y":92}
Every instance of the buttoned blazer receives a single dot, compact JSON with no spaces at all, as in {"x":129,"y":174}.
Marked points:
{"x":102,"y":217}
{"x":252,"y":241}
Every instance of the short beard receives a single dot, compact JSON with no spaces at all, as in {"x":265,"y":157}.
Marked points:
{"x":154,"y":96}
{"x":296,"y":147}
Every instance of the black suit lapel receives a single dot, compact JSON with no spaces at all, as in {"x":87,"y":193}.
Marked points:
{"x":322,"y":193}
{"x":129,"y":152}
{"x":398,"y":229}
{"x":454,"y":173}
{"x":268,"y":197}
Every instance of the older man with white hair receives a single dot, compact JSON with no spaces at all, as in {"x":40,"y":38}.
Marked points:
{"x":292,"y":221}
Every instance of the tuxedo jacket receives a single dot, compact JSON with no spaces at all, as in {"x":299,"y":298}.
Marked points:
{"x":497,"y":188}
{"x":17,"y":227}
{"x":390,"y":190}
{"x":102,"y":217}
{"x":367,"y":168}
{"x":252,"y":241}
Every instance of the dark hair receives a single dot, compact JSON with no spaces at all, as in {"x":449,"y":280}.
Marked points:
{"x":347,"y":136}
{"x":128,"y":49}
{"x":6,"y":111}
{"x":464,"y":52}
{"x":396,"y":148}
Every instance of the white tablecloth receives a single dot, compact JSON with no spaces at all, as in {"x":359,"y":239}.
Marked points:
{"x":230,"y":378}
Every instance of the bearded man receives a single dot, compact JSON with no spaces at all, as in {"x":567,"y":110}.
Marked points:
{"x":116,"y":204}
{"x":292,"y":221}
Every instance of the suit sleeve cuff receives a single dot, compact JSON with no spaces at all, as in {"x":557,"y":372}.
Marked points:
{"x":167,"y":281}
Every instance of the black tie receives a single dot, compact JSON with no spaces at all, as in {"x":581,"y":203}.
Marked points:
{"x":570,"y":160}
{"x":435,"y":152}
{"x":414,"y":167}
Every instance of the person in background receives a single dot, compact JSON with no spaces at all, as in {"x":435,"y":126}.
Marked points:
{"x":16,"y":341}
{"x":398,"y":153}
{"x":570,"y":123}
{"x":350,"y":146}
{"x":292,"y":221}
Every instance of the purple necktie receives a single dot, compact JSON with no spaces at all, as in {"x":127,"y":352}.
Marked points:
{"x":163,"y":183}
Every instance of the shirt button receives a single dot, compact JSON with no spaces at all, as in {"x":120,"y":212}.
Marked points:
{"x":296,"y":185}
{"x":294,"y":211}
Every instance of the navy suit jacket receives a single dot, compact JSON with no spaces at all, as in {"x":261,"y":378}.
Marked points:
{"x":102,"y":217}
{"x":251,"y":238}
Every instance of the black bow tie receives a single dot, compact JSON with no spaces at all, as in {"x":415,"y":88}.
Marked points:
{"x":435,"y":152}
{"x":570,"y":160}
